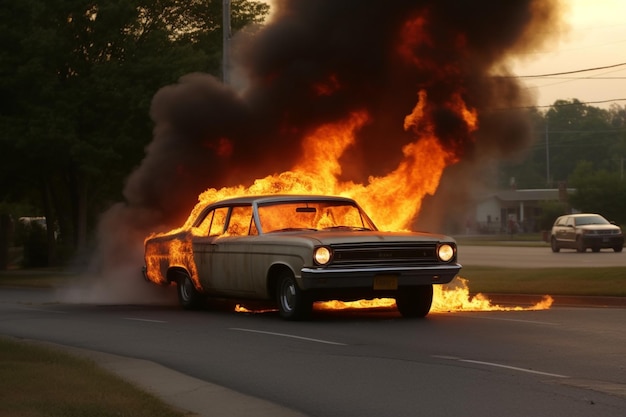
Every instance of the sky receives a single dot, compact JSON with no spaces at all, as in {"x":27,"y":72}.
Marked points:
{"x":596,"y":38}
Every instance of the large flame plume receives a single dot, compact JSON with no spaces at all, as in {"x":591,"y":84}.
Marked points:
{"x":398,"y":104}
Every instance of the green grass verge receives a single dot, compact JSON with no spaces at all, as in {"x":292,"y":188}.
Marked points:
{"x":554,"y":281}
{"x":43,"y":381}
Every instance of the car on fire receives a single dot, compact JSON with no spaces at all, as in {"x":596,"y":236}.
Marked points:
{"x":297,"y":249}
{"x":585,"y":230}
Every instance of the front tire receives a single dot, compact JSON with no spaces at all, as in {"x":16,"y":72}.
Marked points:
{"x":415,"y":301}
{"x":188,"y":297}
{"x":293,"y":303}
{"x":580,"y":245}
{"x":554,"y":245}
{"x":618,"y":248}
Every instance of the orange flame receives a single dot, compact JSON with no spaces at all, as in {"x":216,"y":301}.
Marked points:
{"x":452,"y":297}
{"x":393,"y":200}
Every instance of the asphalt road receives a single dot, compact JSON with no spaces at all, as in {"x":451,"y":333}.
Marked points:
{"x":558,"y":362}
{"x":538,"y":257}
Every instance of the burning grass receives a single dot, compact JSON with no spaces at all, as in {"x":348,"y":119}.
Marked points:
{"x":42,"y":381}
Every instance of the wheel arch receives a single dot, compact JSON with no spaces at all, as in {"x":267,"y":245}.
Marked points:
{"x":273,"y":273}
{"x":174,"y":272}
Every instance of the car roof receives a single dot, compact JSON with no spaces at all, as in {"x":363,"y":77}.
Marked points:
{"x":582,"y":215}
{"x":276,"y":198}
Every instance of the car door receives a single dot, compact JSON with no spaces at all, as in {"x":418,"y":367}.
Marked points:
{"x":569,"y":234}
{"x":204,"y":245}
{"x":232,"y":267}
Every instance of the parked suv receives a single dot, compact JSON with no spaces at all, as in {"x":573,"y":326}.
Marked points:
{"x":585,"y":230}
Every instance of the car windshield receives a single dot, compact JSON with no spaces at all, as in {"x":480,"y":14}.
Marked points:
{"x":581,"y":221}
{"x":312,"y":215}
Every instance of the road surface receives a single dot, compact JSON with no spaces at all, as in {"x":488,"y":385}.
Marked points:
{"x":558,"y":362}
{"x":537,"y":257}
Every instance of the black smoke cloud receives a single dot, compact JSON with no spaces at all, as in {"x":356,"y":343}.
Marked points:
{"x":316,"y":62}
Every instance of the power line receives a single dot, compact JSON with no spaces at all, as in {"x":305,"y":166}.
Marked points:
{"x":571,"y":72}
{"x":578,"y":103}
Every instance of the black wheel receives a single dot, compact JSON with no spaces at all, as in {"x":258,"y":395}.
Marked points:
{"x":618,"y":248}
{"x":188,"y":297}
{"x":594,"y":249}
{"x":415,"y":301}
{"x":554,"y":245}
{"x":580,"y":246}
{"x":293,"y":303}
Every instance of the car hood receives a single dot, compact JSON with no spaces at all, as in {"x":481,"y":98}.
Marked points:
{"x":326,"y":237}
{"x":598,"y":227}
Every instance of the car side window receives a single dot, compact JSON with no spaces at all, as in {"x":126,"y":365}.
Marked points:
{"x":218,"y":222}
{"x":203,"y":228}
{"x":240,"y":221}
{"x":571,"y":221}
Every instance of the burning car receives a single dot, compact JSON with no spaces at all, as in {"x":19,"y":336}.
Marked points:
{"x":295,"y":250}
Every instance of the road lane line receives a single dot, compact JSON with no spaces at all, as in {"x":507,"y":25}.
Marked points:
{"x":148,"y":320}
{"x":43,"y":310}
{"x":328,"y":342}
{"x":547,"y":323}
{"x":499,"y":365}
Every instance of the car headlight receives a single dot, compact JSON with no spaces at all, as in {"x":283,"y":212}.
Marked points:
{"x":445,"y":252}
{"x":322,"y":255}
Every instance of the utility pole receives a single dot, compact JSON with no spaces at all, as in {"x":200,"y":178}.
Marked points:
{"x":226,"y":41}
{"x":547,"y":155}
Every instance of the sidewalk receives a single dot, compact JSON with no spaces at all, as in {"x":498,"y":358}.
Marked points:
{"x":188,"y":394}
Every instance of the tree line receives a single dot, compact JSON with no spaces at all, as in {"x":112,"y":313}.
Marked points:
{"x":577,"y":146}
{"x":77,"y":78}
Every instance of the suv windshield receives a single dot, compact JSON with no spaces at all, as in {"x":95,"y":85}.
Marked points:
{"x":312,"y":215}
{"x":581,"y":221}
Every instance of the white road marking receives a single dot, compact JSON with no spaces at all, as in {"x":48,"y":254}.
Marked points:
{"x":499,"y":365}
{"x":42,"y":309}
{"x":148,"y":320}
{"x":517,"y":320}
{"x":328,"y":342}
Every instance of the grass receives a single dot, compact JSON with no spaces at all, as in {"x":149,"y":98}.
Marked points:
{"x":44,"y":381}
{"x":610,"y":282}
{"x":35,"y":278}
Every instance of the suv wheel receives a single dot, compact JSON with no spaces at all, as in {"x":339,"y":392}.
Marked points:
{"x":554,"y":245}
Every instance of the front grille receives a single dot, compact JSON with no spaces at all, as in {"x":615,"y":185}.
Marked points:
{"x":607,"y":232}
{"x":389,"y":254}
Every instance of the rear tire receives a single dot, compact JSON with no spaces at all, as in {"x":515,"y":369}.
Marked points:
{"x":580,"y":246}
{"x":554,"y":245}
{"x":188,"y":297}
{"x":293,"y":303}
{"x":618,"y":248}
{"x":415,"y":301}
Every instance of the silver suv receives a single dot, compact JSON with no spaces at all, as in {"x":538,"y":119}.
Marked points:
{"x":585,"y":230}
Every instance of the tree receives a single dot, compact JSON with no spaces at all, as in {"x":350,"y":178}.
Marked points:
{"x":568,"y":132}
{"x":598,"y":191}
{"x":77,"y":78}
{"x":578,"y":132}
